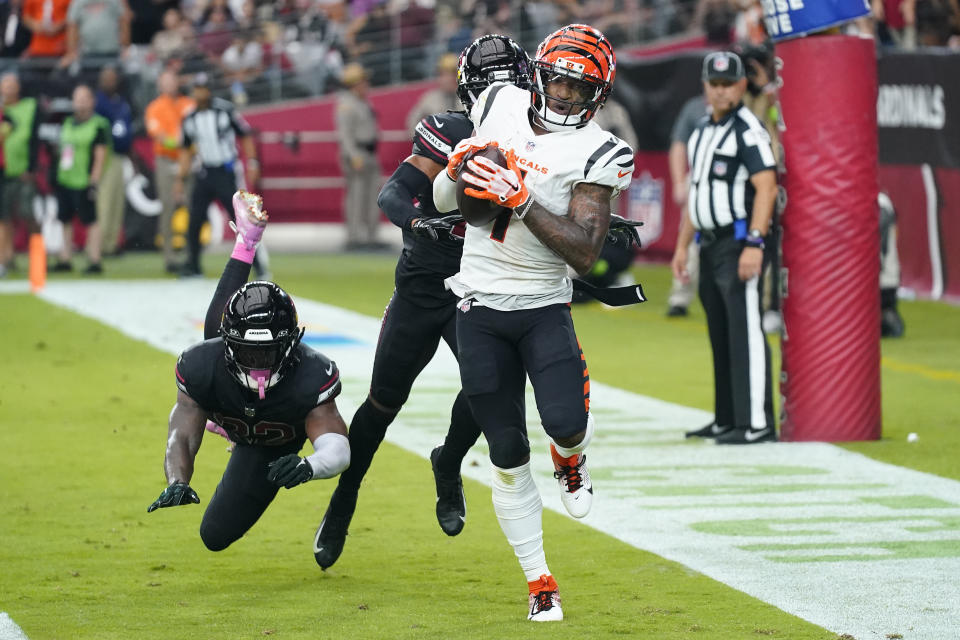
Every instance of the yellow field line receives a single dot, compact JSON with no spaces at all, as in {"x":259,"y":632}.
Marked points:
{"x":920,"y":370}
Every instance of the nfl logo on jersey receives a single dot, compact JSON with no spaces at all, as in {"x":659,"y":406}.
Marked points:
{"x":720,"y":168}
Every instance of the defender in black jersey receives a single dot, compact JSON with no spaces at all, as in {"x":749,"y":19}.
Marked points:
{"x":267,"y":391}
{"x":421,"y":311}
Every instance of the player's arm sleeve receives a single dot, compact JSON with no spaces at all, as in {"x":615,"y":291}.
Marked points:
{"x":396,"y":196}
{"x":444,"y":193}
{"x":331,"y":447}
{"x":755,"y":150}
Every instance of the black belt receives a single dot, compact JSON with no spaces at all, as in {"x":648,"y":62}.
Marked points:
{"x":712,"y":235}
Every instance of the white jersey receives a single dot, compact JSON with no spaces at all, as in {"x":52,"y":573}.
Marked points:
{"x":505,"y":266}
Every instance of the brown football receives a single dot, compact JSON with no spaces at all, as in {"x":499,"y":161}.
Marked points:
{"x":475,"y":211}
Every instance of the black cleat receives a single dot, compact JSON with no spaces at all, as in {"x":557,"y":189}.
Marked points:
{"x":744,"y":435}
{"x":891,"y":323}
{"x":331,"y":536}
{"x":676,"y":311}
{"x":709,"y":431}
{"x":451,"y":505}
{"x":62,"y":266}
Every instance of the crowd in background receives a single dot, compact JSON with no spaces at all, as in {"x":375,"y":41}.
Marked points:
{"x":261,"y":51}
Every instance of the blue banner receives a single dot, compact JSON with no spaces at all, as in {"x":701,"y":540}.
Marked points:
{"x":793,"y":18}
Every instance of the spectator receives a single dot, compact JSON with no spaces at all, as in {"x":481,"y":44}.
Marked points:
{"x":47,"y":19}
{"x":416,"y":24}
{"x":147,"y":19}
{"x":175,"y":38}
{"x":216,"y":29}
{"x":16,"y":34}
{"x":96,"y":28}
{"x":84,"y":146}
{"x":357,"y":134}
{"x":443,"y":97}
{"x":21,"y":120}
{"x":163,"y":118}
{"x":242,"y":63}
{"x":369,"y":38}
{"x":716,"y":18}
{"x":318,"y":48}
{"x":937,"y":21}
{"x":111,"y":198}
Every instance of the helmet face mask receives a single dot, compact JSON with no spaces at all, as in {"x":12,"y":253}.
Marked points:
{"x":582,"y":59}
{"x":260,"y":332}
{"x":489,"y":59}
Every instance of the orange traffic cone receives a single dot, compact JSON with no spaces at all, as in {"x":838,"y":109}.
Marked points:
{"x":38,"y":262}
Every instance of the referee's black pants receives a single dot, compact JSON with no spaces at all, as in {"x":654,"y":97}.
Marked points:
{"x":741,"y":356}
{"x":212,"y":184}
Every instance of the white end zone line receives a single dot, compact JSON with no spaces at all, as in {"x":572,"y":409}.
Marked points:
{"x":854,"y":545}
{"x":9,"y":629}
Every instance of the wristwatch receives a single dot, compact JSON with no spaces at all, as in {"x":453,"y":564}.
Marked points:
{"x":754,"y":239}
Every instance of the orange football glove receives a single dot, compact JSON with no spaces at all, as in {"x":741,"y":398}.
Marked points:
{"x":465,"y":146}
{"x":503,"y":185}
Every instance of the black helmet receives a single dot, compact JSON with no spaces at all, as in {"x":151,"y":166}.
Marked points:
{"x":488,"y":59}
{"x":260,"y":331}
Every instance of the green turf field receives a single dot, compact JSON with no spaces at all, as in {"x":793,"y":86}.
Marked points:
{"x":83,"y":410}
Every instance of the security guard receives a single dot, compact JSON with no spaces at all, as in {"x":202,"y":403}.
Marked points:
{"x":211,"y":132}
{"x":733,"y":187}
{"x":357,"y":134}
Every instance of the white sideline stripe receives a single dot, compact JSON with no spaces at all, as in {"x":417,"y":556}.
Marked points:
{"x":656,"y":492}
{"x":9,"y":630}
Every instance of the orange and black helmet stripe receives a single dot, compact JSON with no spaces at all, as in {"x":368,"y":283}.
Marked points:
{"x":584,"y":41}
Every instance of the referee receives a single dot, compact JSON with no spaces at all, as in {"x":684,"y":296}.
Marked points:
{"x":733,"y":187}
{"x":210,"y":132}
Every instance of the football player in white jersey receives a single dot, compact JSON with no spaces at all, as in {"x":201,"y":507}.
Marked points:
{"x":514,"y":315}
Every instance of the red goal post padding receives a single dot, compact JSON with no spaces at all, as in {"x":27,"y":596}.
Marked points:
{"x":830,"y":384}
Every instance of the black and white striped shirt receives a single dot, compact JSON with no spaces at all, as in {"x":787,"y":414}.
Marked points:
{"x":722,"y":156}
{"x":214,"y":132}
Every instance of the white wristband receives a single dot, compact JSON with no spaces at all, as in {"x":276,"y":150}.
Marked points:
{"x":331,"y":455}
{"x":444,"y":193}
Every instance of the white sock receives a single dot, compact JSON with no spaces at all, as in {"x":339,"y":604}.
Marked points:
{"x":581,"y":446}
{"x":516,"y":501}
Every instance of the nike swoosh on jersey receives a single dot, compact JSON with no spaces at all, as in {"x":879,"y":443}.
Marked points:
{"x":620,"y":174}
{"x":330,"y":369}
{"x":437,"y":122}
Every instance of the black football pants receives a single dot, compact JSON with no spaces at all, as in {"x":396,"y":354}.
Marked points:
{"x":243,"y":494}
{"x":498,"y":350}
{"x":741,"y":356}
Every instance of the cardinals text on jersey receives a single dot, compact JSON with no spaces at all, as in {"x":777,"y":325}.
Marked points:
{"x":504,"y":260}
